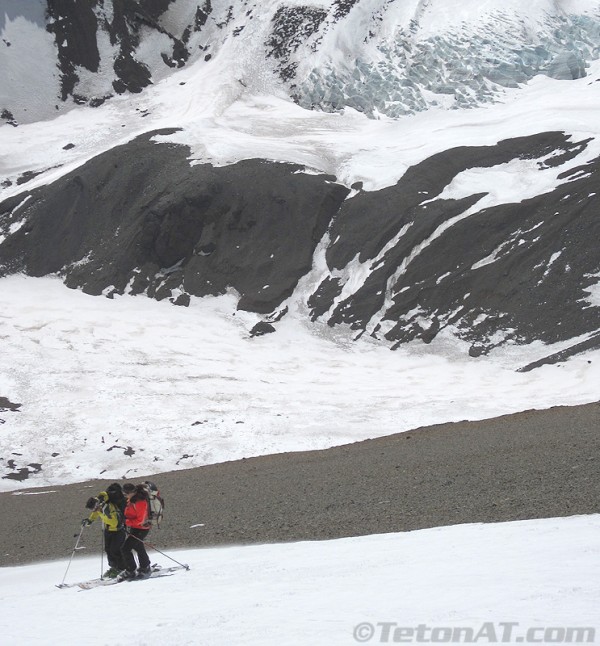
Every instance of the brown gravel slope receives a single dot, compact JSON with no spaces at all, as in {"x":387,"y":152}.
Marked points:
{"x":529,"y":465}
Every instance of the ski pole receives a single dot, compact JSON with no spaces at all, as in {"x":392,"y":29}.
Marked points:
{"x":183,"y":565}
{"x":102,"y":555}
{"x":72,"y":555}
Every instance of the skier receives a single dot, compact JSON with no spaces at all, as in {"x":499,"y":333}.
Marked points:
{"x":138,"y":526}
{"x":108,"y":506}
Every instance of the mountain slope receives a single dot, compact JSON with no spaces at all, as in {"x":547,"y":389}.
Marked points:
{"x":481,"y":221}
{"x":534,"y":464}
{"x":377,"y":56}
{"x":427,"y":256}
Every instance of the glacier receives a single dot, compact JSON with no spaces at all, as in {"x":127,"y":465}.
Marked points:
{"x":380,"y":57}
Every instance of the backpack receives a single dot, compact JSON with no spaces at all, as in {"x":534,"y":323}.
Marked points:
{"x":116,"y":497}
{"x":156,"y":503}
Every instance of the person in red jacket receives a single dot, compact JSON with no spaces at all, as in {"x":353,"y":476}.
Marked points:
{"x":138,"y":526}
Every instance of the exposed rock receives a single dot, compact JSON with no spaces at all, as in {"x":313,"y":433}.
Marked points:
{"x":291,"y":27}
{"x":6,"y":404}
{"x":140,"y":219}
{"x":486,"y":273}
{"x":74,"y":26}
{"x":593,"y":343}
{"x":141,"y":214}
{"x":261,"y":328}
{"x":7,"y":116}
{"x":183,"y":300}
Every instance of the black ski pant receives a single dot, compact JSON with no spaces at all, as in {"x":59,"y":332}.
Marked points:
{"x":133,"y":543}
{"x":113,"y":542}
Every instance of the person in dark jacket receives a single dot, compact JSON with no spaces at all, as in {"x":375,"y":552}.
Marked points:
{"x":138,"y":526}
{"x":108,"y":506}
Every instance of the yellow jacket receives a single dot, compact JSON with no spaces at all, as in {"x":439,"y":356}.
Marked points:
{"x":109,"y":513}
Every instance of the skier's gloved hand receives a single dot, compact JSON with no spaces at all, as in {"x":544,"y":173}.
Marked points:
{"x":85,"y":522}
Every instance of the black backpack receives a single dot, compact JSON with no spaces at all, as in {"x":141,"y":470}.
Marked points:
{"x":115,"y":495}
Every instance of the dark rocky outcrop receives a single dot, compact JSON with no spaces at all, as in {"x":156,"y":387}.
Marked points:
{"x":139,"y":219}
{"x":74,"y":26}
{"x":7,"y":405}
{"x":519,"y":267}
{"x":262,"y":328}
{"x":291,"y":27}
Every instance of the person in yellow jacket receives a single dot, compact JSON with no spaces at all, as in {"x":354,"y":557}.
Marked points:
{"x":108,"y":507}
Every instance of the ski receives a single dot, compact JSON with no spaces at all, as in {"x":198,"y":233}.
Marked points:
{"x":94,"y":583}
{"x":153,"y":575}
{"x":157,"y":571}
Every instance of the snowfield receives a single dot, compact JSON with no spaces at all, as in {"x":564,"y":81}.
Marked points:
{"x":115,"y":388}
{"x":521,"y":582}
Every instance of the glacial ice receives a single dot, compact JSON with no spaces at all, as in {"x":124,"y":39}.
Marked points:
{"x":456,"y":69}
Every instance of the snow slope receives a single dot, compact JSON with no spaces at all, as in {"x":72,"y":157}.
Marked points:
{"x":223,"y":123}
{"x":511,"y":583}
{"x":115,"y":388}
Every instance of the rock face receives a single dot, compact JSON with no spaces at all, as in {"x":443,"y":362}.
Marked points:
{"x":378,"y":57}
{"x":78,"y":29}
{"x":94,"y":50}
{"x":140,"y":218}
{"x":510,"y":271}
{"x":401,"y":263}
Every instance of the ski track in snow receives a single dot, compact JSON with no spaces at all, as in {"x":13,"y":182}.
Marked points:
{"x":130,"y":386}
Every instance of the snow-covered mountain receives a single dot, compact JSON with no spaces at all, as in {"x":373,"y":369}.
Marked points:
{"x":185,"y":149}
{"x":377,"y":56}
{"x":398,"y":168}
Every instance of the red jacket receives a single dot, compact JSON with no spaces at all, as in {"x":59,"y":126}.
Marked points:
{"x":136,"y":514}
